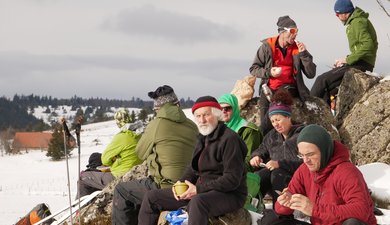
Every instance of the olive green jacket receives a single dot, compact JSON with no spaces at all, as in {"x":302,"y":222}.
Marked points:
{"x":167,"y":144}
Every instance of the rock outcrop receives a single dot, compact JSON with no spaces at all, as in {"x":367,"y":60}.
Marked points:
{"x":362,"y":122}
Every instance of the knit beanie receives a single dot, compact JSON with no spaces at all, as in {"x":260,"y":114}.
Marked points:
{"x":122,"y":117}
{"x":343,"y":6}
{"x":285,"y":21}
{"x":279,"y":109}
{"x":317,"y":135}
{"x":163,"y":94}
{"x":205,"y":101}
{"x":95,"y":160}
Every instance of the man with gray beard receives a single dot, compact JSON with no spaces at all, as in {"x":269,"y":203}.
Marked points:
{"x":216,"y":177}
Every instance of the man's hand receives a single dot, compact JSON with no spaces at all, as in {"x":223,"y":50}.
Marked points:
{"x":340,"y":62}
{"x":285,"y":198}
{"x":276,"y":71}
{"x":301,"y":203}
{"x":301,"y":46}
{"x":187,"y":195}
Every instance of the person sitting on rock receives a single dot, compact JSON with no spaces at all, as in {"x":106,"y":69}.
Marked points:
{"x":249,"y":132}
{"x":276,"y":158}
{"x":216,"y":176}
{"x":328,"y":187}
{"x":120,"y":156}
{"x":167,"y":146}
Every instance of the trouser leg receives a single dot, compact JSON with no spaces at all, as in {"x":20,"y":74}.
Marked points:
{"x":156,"y":201}
{"x":212,"y":203}
{"x":279,"y":180}
{"x":91,"y":181}
{"x":265,"y":125}
{"x":265,"y":180}
{"x":353,"y":221}
{"x":127,"y":200}
{"x":327,"y":81}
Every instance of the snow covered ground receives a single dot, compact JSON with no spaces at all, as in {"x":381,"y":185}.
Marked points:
{"x":32,"y":178}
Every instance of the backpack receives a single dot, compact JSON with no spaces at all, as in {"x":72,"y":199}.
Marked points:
{"x":38,"y":213}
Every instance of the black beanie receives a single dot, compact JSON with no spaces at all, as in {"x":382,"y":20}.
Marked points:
{"x":95,"y":160}
{"x":206,"y":101}
{"x":285,"y":21}
{"x":317,"y":135}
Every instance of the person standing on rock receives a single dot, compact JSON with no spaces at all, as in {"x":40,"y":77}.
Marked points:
{"x":280,"y":62}
{"x":363,"y":45}
{"x":216,"y":176}
{"x":166,"y":145}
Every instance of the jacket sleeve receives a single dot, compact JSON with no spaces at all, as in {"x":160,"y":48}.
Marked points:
{"x":252,"y":139}
{"x":233,"y":154}
{"x":353,"y":191}
{"x":190,"y":175}
{"x":261,"y":66}
{"x":307,"y":65}
{"x":112,"y":151}
{"x":146,"y":143}
{"x":262,"y":151}
{"x":364,"y":44}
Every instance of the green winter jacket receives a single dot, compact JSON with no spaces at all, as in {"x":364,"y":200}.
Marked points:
{"x":167,"y":144}
{"x":362,"y":38}
{"x":120,"y":154}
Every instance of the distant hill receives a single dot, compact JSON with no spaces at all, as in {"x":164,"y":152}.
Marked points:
{"x":38,"y":113}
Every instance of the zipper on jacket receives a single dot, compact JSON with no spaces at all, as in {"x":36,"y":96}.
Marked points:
{"x":200,"y":157}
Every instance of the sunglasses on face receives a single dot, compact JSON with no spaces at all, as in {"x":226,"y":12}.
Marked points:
{"x":291,"y":30}
{"x":226,"y":108}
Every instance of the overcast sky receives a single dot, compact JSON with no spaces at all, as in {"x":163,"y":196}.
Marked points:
{"x":124,"y":48}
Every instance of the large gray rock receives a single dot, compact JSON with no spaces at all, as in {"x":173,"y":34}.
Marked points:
{"x":366,"y":124}
{"x":312,"y":111}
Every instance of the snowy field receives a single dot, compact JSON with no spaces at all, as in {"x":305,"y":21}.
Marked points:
{"x":32,"y":178}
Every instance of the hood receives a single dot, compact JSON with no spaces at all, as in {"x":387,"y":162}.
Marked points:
{"x":171,"y":112}
{"x":358,"y":12}
{"x":236,"y":121}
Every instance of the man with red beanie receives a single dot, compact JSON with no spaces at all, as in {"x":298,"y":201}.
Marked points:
{"x":216,"y":176}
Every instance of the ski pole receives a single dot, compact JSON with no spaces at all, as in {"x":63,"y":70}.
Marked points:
{"x":78,"y":129}
{"x":67,"y":135}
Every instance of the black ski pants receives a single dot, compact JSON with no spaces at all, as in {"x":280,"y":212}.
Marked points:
{"x":127,"y":200}
{"x":199,"y":208}
{"x":327,"y":82}
{"x":270,"y":181}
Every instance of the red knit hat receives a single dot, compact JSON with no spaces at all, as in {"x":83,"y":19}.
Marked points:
{"x":205,"y":101}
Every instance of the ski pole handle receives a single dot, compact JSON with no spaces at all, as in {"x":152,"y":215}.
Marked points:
{"x":78,"y":129}
{"x":65,"y":127}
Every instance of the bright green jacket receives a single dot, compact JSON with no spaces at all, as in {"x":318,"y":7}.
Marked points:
{"x":120,"y":154}
{"x":167,"y":144}
{"x":362,"y":38}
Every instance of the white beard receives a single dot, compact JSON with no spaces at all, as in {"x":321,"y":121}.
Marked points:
{"x":206,"y":129}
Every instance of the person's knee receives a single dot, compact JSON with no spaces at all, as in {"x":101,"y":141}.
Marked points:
{"x":353,"y":221}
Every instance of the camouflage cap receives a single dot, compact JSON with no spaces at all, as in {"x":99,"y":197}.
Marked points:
{"x":122,"y":117}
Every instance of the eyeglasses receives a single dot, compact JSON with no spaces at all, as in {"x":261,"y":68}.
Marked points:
{"x":226,"y":108}
{"x":307,"y":155}
{"x":291,"y":30}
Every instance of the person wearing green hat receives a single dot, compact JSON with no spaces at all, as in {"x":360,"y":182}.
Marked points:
{"x":327,"y":187}
{"x":249,"y":132}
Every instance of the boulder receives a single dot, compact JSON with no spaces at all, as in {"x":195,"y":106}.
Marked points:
{"x":365,"y":124}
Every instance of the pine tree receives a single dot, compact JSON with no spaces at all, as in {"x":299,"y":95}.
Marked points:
{"x":56,"y":146}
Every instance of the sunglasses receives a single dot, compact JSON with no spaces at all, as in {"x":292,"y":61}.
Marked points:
{"x":291,"y":30}
{"x":226,"y":108}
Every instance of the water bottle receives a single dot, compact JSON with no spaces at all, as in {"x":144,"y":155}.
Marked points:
{"x":266,"y":91}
